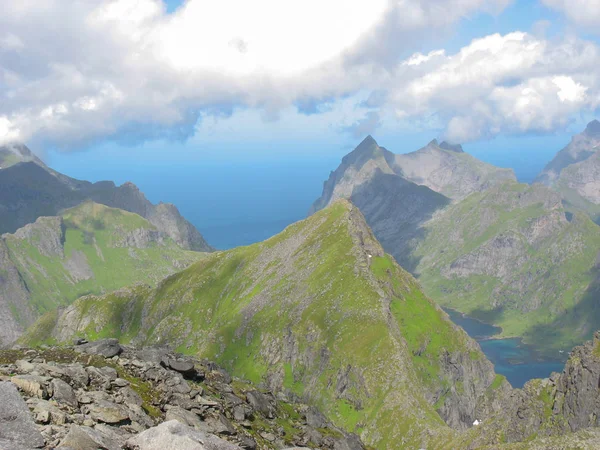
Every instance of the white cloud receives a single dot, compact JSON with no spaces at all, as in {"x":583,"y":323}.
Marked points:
{"x":500,"y":84}
{"x":585,"y":13}
{"x":78,"y":70}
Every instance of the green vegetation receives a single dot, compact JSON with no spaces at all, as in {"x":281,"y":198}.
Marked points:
{"x":511,"y":256}
{"x":86,"y":251}
{"x":319,"y":310}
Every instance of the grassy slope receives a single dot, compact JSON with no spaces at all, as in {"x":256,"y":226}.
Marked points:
{"x":93,"y":230}
{"x":309,"y":310}
{"x":557,"y":273}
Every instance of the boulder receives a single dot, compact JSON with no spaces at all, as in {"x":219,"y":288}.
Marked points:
{"x":104,"y":347}
{"x":86,"y":438}
{"x":173,"y":435}
{"x":183,"y":366}
{"x":107,"y":412}
{"x":32,"y":385}
{"x":261,"y":403}
{"x":17,"y":429}
{"x":63,"y":393}
{"x":184,"y":416}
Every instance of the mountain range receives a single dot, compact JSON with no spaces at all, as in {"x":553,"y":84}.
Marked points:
{"x":322,"y":314}
{"x":319,"y":310}
{"x":518,"y":256}
{"x":29,"y":189}
{"x":575,"y":172}
{"x":327,"y":312}
{"x":61,"y":240}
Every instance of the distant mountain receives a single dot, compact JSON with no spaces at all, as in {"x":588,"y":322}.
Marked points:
{"x":12,"y":154}
{"x":447,"y":169}
{"x":319,"y":311}
{"x":398,"y":193}
{"x":29,"y":189}
{"x":507,"y":253}
{"x":575,"y":171}
{"x":88,"y":249}
{"x":513,"y":256}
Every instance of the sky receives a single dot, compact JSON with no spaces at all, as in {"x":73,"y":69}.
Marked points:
{"x":232,"y":99}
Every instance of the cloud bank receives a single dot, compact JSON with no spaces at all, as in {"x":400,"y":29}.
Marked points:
{"x":75,"y":71}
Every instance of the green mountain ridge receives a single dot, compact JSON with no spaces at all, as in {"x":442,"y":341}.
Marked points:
{"x":87,"y":249}
{"x":318,"y":310}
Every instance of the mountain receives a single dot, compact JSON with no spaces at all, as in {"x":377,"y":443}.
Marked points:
{"x":559,"y":412}
{"x":508,"y":254}
{"x":575,"y":171}
{"x":513,"y":256}
{"x":29,"y":189}
{"x":319,"y":311}
{"x":399,"y":193}
{"x":81,"y":398}
{"x":87,"y":249}
{"x":447,"y":169}
{"x":12,"y":154}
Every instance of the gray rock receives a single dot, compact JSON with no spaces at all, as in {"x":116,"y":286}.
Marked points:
{"x":79,"y":341}
{"x":184,"y":416}
{"x":261,"y":403}
{"x":315,"y":419}
{"x":16,"y":424}
{"x":77,"y":375}
{"x":183,"y":366}
{"x":86,"y":438}
{"x":104,"y":347}
{"x":107,"y":412}
{"x":63,"y":393}
{"x":32,"y":385}
{"x":173,"y":435}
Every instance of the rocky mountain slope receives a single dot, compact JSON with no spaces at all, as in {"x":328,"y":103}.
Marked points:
{"x":575,"y":171}
{"x":514,"y":257}
{"x":394,"y":207}
{"x":318,"y":311}
{"x":29,"y":189}
{"x":399,"y":193}
{"x":101,"y":395}
{"x":509,"y":254}
{"x":447,"y":169}
{"x":559,"y":412}
{"x":87,"y":249}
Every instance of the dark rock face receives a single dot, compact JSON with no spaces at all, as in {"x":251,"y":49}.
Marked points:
{"x":577,"y":389}
{"x":30,"y":189}
{"x":17,"y":429}
{"x":145,"y":400}
{"x":105,"y":347}
{"x":563,"y":403}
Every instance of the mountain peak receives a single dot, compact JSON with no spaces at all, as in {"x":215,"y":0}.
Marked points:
{"x":593,"y":128}
{"x":452,"y":147}
{"x":368,"y":140}
{"x":14,"y":153}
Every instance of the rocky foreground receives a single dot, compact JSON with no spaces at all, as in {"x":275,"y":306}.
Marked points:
{"x":102,"y":395}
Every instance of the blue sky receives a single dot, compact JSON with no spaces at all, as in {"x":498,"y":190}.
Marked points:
{"x":241,"y":93}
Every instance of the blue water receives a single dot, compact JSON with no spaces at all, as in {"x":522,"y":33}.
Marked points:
{"x":518,"y":362}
